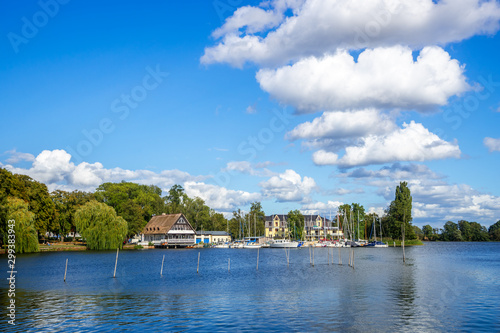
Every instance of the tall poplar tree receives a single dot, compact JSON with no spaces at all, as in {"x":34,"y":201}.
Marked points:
{"x":399,"y":212}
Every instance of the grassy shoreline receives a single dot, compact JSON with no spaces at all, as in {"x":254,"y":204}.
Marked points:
{"x":413,"y":242}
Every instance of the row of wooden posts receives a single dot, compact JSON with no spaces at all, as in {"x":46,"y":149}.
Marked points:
{"x":287,"y":254}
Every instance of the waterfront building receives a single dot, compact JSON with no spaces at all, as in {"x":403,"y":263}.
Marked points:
{"x":212,"y":237}
{"x":276,"y":226}
{"x":316,"y":227}
{"x":172,"y":230}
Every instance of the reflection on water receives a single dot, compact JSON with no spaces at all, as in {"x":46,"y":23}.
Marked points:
{"x":441,"y":287}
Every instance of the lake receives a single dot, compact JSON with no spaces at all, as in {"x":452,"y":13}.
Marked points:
{"x":442,"y":287}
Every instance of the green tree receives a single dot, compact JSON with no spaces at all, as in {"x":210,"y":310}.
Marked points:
{"x":66,"y":204}
{"x":197,"y":213}
{"x":135,"y":203}
{"x":399,"y":212}
{"x":134,"y":215}
{"x":26,"y":239}
{"x":428,"y":232}
{"x":175,"y":199}
{"x":236,"y":224}
{"x":451,"y":233}
{"x":296,"y":224}
{"x":100,"y":226}
{"x":259,"y":217}
{"x":219,"y":222}
{"x":418,"y":232}
{"x":358,"y":212}
{"x":494,"y":231}
{"x":34,"y":193}
{"x":370,"y":219}
{"x":479,"y":232}
{"x":40,"y":204}
{"x":465,"y":230}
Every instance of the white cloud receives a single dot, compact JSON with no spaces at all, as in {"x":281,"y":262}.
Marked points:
{"x":288,"y":186}
{"x":246,"y":167}
{"x":341,"y":125}
{"x":55,"y":169}
{"x":220,"y":198}
{"x":492,"y":144}
{"x":318,"y":206}
{"x":381,"y":78}
{"x":345,"y":191}
{"x":50,"y":166}
{"x":455,"y":202}
{"x":396,"y":171}
{"x":435,"y":201}
{"x":16,"y":157}
{"x":253,"y":19}
{"x":322,"y":157}
{"x":413,"y":142}
{"x":380,"y":211}
{"x":318,"y":27}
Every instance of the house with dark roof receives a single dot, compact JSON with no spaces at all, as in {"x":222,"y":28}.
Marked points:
{"x":316,"y":227}
{"x":172,"y":230}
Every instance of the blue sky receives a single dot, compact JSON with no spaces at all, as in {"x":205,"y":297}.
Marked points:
{"x":297,"y":104}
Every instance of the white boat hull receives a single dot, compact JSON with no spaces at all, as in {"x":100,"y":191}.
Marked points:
{"x":256,"y":246}
{"x":284,"y":244}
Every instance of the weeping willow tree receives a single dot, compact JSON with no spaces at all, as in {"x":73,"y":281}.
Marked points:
{"x":99,"y":225}
{"x":25,"y":231}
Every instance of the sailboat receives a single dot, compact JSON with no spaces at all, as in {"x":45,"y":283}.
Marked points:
{"x":381,"y":243}
{"x":376,"y":243}
{"x":280,"y":243}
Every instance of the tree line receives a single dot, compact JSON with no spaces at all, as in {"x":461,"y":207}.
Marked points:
{"x":121,"y":210}
{"x":463,"y":231}
{"x":106,"y":217}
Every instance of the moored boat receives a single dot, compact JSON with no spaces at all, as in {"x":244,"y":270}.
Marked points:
{"x":280,"y":243}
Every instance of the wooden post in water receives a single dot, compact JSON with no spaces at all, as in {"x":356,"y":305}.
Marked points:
{"x":403,"y":243}
{"x":310,"y":257}
{"x":198,"y":267}
{"x":288,"y":258}
{"x":352,"y":263}
{"x":328,"y":249}
{"x":66,"y":269}
{"x":340,"y":257}
{"x":116,"y":262}
{"x":258,"y":258}
{"x":161,"y":271}
{"x":313,"y":256}
{"x":228,"y":265}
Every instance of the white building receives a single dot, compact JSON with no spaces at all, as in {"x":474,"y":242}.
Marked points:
{"x":172,"y":230}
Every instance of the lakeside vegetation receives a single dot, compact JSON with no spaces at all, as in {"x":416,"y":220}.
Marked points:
{"x":117,"y":211}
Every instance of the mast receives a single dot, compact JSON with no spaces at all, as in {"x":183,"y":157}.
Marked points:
{"x":374,"y":229}
{"x":380,"y":222}
{"x":338,"y":225}
{"x":331,"y":223}
{"x":255,"y":226}
{"x":358,"y":225}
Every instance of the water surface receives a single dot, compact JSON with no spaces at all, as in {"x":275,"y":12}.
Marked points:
{"x":442,"y":287}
